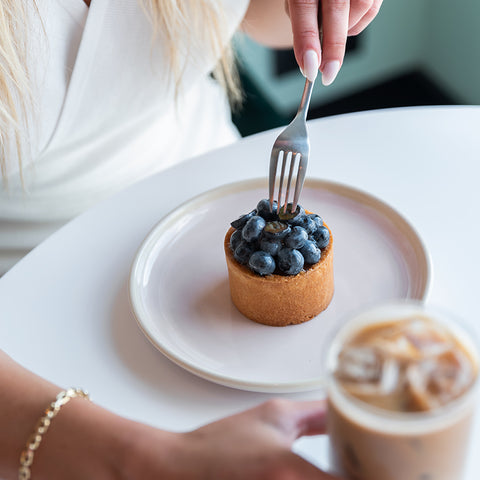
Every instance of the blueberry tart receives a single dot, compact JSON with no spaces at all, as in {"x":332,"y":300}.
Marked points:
{"x":280,"y":264}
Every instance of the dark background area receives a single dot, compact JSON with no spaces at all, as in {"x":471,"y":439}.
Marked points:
{"x":412,"y":88}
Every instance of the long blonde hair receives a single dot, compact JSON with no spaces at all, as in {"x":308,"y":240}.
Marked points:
{"x":201,"y":20}
{"x":15,"y":91}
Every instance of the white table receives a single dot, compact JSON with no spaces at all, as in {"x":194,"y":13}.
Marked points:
{"x":64,"y":309}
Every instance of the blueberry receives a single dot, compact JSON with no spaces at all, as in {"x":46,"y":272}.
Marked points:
{"x":276,"y":229}
{"x":290,"y":261}
{"x":235,"y":239}
{"x":299,"y":220}
{"x":311,"y":225}
{"x":263,"y":209}
{"x":270,"y":245}
{"x":305,"y":222}
{"x":262,"y":263}
{"x":253,"y":228}
{"x":317,"y":219}
{"x":293,"y":218}
{"x":322,"y":237}
{"x":296,"y":238}
{"x":311,"y":253}
{"x":240,"y":222}
{"x":243,"y":252}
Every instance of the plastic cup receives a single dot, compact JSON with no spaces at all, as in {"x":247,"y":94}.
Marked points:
{"x":371,"y":443}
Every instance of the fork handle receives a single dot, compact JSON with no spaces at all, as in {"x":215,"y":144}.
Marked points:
{"x":305,"y":101}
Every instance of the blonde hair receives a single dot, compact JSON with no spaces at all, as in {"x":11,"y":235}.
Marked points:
{"x":15,"y":92}
{"x":188,"y":24}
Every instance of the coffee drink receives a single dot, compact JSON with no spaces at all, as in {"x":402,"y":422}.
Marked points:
{"x":402,"y":380}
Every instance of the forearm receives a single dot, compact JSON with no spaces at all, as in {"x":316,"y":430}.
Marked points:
{"x":81,"y":441}
{"x":85,"y":441}
{"x":22,"y":400}
{"x":267,"y":22}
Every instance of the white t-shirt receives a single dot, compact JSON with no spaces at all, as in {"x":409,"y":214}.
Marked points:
{"x":105,"y":114}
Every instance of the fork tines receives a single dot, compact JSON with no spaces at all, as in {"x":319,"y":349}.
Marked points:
{"x":290,"y":162}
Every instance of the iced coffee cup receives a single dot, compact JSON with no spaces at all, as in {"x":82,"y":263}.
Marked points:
{"x":402,"y":380}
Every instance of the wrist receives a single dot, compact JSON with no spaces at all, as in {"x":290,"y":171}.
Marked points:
{"x":151,"y":453}
{"x":80,"y":443}
{"x":41,"y":428}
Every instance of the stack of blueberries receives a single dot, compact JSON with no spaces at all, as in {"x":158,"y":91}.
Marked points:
{"x":281,"y":242}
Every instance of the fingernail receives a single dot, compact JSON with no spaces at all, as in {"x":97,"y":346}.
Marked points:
{"x":330,"y":72}
{"x":310,"y":65}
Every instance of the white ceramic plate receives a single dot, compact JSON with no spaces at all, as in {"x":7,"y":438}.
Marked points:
{"x":180,"y":295}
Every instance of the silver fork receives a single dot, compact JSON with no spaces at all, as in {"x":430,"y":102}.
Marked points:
{"x":291,"y":147}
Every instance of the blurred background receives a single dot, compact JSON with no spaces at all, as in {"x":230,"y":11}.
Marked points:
{"x":416,"y":52}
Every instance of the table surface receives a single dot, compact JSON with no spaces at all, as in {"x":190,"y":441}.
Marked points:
{"x":65,"y":312}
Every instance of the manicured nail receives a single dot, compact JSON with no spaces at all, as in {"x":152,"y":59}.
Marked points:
{"x":330,"y":72}
{"x":310,"y":65}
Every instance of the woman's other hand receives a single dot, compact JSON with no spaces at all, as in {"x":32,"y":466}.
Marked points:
{"x":254,"y":444}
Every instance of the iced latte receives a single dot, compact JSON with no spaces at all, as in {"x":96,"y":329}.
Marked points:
{"x":401,"y":395}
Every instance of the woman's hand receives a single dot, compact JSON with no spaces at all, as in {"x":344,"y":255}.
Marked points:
{"x":339,"y":19}
{"x":87,"y":441}
{"x":255,"y":444}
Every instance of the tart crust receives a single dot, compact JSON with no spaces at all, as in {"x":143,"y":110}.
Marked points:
{"x":281,"y":300}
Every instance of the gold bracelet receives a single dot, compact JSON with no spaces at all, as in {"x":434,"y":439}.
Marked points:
{"x":26,"y":458}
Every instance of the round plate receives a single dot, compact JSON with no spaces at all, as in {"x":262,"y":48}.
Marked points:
{"x":180,"y":294}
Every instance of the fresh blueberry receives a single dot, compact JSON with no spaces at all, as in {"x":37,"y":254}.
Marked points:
{"x":240,"y":222}
{"x":253,"y":228}
{"x":311,"y":225}
{"x":322,"y":237}
{"x":299,"y":220}
{"x":270,"y":245}
{"x":311,"y":253}
{"x":290,"y":261}
{"x":317,"y":219}
{"x":305,"y":222}
{"x":243,"y":252}
{"x":235,"y":239}
{"x":263,"y":209}
{"x":296,"y":238}
{"x":276,"y":230}
{"x":262,"y":263}
{"x":293,"y":218}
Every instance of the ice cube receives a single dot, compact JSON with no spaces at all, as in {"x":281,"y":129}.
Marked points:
{"x":359,"y":364}
{"x":394,"y":346}
{"x":390,"y":376}
{"x":428,"y":338}
{"x":452,"y":375}
{"x":438,"y":380}
{"x":417,"y":378}
{"x":381,"y":392}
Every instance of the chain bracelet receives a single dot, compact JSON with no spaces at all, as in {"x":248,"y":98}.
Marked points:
{"x":26,"y":457}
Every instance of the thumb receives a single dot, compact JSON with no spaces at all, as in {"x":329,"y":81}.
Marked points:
{"x":310,"y":418}
{"x":297,"y":419}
